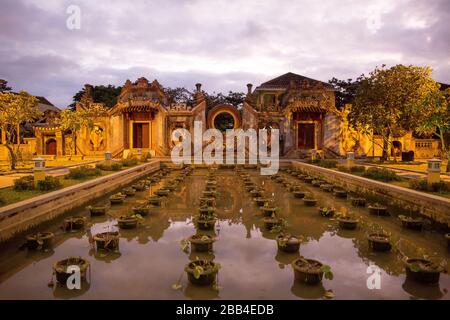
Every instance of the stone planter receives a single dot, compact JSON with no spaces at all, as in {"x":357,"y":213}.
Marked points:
{"x":299,"y":194}
{"x":272,"y":222}
{"x":201,"y":243}
{"x":309,"y":202}
{"x":127,"y":222}
{"x":206,"y":277}
{"x":207,"y":201}
{"x":327,"y":212}
{"x":255,"y":193}
{"x":73,"y":223}
{"x":268,"y":211}
{"x":154,"y":200}
{"x":61,"y":272}
{"x":40,"y":240}
{"x":162,"y":192}
{"x":139,"y":186}
{"x":379,"y":242}
{"x":288,"y":243}
{"x":205,"y":223}
{"x":142,"y":209}
{"x":260,"y":202}
{"x":326,"y":187}
{"x":96,"y":211}
{"x":340,"y":193}
{"x":129,"y":192}
{"x":378,"y":210}
{"x":206,"y":211}
{"x":317,"y":183}
{"x":347,"y":223}
{"x":307,"y":271}
{"x":308,"y":179}
{"x":423,"y":271}
{"x":358,"y":202}
{"x":107,"y":240}
{"x":117,"y":198}
{"x":411,"y":223}
{"x":209,"y":194}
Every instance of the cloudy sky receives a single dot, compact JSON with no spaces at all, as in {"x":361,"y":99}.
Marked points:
{"x":223,"y":44}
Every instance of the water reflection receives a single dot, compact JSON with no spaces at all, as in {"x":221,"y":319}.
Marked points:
{"x":252,"y":266}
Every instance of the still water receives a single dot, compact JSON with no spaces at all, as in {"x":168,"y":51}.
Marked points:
{"x":151,"y":260}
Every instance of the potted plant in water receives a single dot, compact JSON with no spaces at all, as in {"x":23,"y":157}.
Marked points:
{"x":423,"y":270}
{"x":205,"y":222}
{"x":107,"y":240}
{"x":154,"y":200}
{"x":340,"y":193}
{"x":311,"y":271}
{"x":347,"y":222}
{"x":129,"y":191}
{"x":207,"y":201}
{"x":288,"y":243}
{"x":410,"y":222}
{"x":379,"y":241}
{"x":117,"y":198}
{"x":60,"y":269}
{"x":162,"y":192}
{"x":378,"y":209}
{"x":129,"y":222}
{"x":326,"y":212}
{"x":142,"y":209}
{"x":202,"y":272}
{"x":97,"y":210}
{"x":326,"y":187}
{"x":269,"y":210}
{"x":73,"y":223}
{"x":201,"y":242}
{"x":40,"y":240}
{"x":274,"y":224}
{"x":309,"y":201}
{"x":358,"y":202}
{"x":260,"y":202}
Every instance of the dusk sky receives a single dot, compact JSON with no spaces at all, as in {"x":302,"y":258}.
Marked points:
{"x":222,"y":44}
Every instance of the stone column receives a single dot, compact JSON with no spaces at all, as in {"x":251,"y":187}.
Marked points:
{"x":434,"y":171}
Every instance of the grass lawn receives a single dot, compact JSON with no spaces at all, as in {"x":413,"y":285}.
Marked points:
{"x":413,"y":167}
{"x":9,"y":195}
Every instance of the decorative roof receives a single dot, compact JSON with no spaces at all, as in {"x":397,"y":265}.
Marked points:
{"x":295,"y":81}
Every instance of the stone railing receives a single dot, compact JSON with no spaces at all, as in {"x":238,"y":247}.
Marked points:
{"x":21,"y":216}
{"x":434,"y":207}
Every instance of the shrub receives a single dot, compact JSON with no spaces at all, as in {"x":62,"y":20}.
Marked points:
{"x":357,"y":169}
{"x":116,"y":166}
{"x":50,"y":183}
{"x":146,"y":157}
{"x":343,"y":168}
{"x":83,"y":172}
{"x":24,"y":183}
{"x":422,"y":185}
{"x":381,"y":174}
{"x":129,"y":162}
{"x":327,"y":163}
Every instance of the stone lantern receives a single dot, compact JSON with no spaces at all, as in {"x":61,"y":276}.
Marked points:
{"x":39,"y":169}
{"x":434,"y":171}
{"x":108,"y":158}
{"x":350,"y":159}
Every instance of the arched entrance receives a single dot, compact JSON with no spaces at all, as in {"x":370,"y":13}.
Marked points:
{"x":50,"y":147}
{"x":223,"y":117}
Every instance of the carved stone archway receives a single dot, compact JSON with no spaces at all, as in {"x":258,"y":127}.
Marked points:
{"x":224,"y":109}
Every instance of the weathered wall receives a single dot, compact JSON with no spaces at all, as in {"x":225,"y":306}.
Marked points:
{"x":434,"y":207}
{"x":23,"y":215}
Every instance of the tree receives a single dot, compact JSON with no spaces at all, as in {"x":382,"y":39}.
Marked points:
{"x":71,"y":122}
{"x":179,"y":95}
{"x":15,"y":110}
{"x":234,"y":98}
{"x":385,"y":103}
{"x":4,"y":86}
{"x":345,"y":90}
{"x":100,"y":94}
{"x":434,"y":111}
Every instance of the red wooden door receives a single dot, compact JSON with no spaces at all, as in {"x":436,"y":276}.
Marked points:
{"x":50,"y":147}
{"x":306,"y":135}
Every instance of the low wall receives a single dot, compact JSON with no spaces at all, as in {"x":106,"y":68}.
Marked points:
{"x":434,"y":207}
{"x":23,"y":215}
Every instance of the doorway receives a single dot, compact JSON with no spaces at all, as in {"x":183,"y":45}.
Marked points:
{"x":306,"y":136}
{"x":141,"y":135}
{"x":50,"y":147}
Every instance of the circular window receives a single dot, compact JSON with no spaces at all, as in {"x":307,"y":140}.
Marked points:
{"x":224,"y":121}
